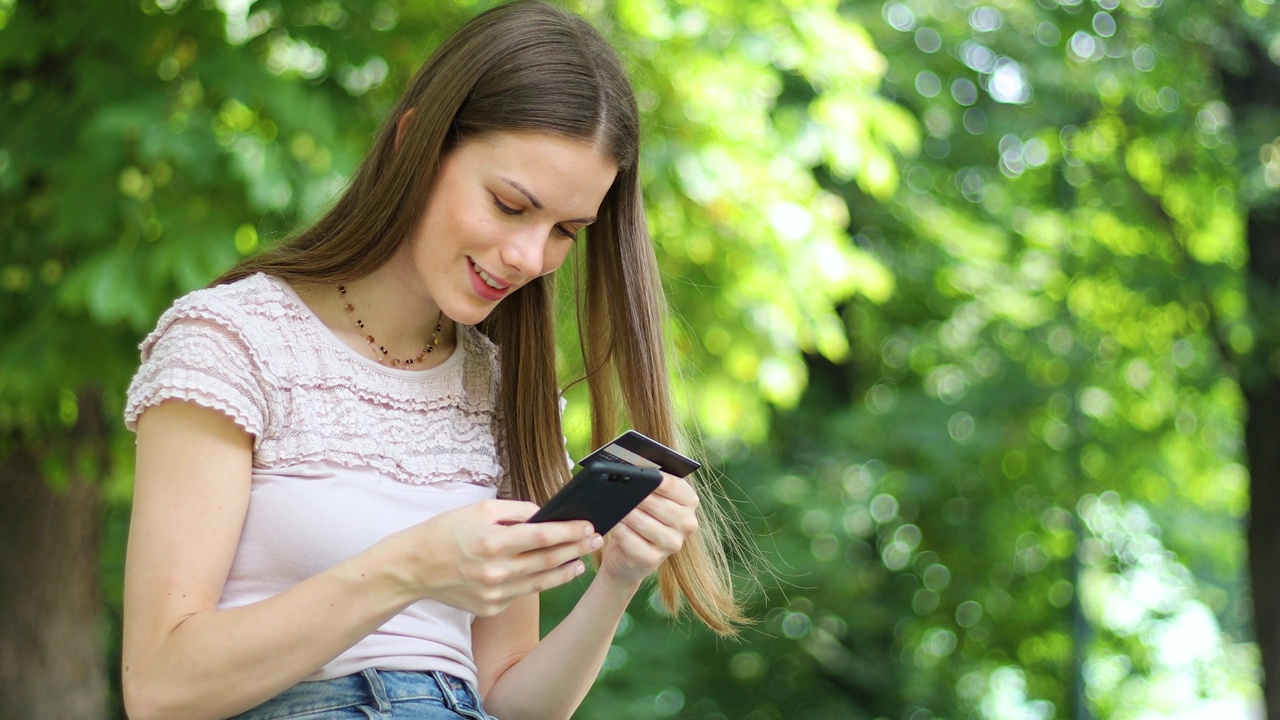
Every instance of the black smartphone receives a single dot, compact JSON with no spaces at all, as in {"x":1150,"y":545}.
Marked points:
{"x":602,"y":493}
{"x":633,"y":448}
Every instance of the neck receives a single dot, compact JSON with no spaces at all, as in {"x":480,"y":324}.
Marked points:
{"x":395,"y":309}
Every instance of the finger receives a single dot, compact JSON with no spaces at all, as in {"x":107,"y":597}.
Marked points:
{"x":532,"y":536}
{"x":678,"y":490}
{"x":654,"y":532}
{"x":636,"y":548}
{"x":658,"y":505}
{"x":542,"y":559}
{"x":509,"y":512}
{"x":507,"y":572}
{"x":510,"y":541}
{"x":682,"y":517}
{"x":551,"y":578}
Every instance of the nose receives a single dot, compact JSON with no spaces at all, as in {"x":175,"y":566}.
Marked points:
{"x":525,"y":253}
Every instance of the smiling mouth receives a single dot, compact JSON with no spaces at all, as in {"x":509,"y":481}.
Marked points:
{"x":486,"y":277}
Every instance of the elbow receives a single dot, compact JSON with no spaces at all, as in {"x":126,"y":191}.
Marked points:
{"x":144,"y":701}
{"x":146,"y":707}
{"x":137,"y":705}
{"x":140,"y":702}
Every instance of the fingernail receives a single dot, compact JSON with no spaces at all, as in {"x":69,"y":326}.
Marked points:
{"x":581,"y":568}
{"x":597,"y":542}
{"x":587,"y":530}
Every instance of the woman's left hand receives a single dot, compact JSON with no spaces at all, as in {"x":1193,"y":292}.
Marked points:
{"x":649,"y":534}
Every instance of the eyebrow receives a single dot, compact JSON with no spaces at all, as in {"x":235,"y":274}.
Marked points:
{"x":538,"y":203}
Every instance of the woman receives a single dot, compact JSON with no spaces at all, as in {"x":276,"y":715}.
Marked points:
{"x":322,"y":433}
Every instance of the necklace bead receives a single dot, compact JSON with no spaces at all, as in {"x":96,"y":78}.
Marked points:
{"x":380,"y":352}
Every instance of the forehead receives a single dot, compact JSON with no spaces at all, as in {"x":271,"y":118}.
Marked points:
{"x":564,"y":169}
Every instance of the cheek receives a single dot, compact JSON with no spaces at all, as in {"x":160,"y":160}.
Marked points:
{"x":454,"y":214}
{"x":455,"y":218}
{"x":556,"y":255}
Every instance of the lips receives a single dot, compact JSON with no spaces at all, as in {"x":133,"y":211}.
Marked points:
{"x":486,"y":285}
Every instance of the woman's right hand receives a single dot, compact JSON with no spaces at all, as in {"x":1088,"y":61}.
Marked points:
{"x":481,"y":557}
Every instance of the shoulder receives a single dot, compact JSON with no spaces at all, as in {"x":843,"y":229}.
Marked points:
{"x":482,"y":360}
{"x":476,"y":344}
{"x":244,"y":310}
{"x":208,"y":349}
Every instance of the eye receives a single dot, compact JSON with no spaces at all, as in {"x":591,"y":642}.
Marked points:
{"x":505,"y":208}
{"x":567,"y":232}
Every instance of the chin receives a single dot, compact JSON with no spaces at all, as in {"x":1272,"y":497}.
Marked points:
{"x":472,"y":315}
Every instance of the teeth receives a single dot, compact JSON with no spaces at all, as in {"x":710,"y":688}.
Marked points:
{"x":488,"y":280}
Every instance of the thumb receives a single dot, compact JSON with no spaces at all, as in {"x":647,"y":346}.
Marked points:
{"x":511,"y":512}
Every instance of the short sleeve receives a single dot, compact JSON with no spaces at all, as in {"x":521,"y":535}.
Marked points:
{"x":202,"y":359}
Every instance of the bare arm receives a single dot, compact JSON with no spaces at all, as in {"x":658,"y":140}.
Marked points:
{"x":522,"y":678}
{"x":183,"y":658}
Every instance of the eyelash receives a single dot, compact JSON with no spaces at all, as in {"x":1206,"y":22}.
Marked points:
{"x":506,"y":209}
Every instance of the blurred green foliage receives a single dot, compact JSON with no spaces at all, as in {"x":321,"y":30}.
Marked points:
{"x":959,"y":303}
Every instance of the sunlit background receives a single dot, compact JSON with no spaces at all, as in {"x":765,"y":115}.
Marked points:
{"x":965,"y":313}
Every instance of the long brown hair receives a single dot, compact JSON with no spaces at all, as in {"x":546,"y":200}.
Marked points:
{"x":528,"y":66}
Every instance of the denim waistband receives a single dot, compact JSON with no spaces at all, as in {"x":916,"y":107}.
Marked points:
{"x":374,"y":690}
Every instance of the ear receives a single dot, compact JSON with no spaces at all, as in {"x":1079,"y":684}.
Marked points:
{"x":402,"y":125}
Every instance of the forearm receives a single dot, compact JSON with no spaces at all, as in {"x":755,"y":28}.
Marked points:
{"x":217,"y":663}
{"x":554,"y":677}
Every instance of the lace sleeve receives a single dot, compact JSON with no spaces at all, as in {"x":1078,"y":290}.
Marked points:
{"x":200,"y":358}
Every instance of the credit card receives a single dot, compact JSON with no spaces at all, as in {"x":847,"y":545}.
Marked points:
{"x":633,"y":448}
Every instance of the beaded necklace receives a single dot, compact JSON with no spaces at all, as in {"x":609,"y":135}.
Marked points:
{"x":379,"y":351}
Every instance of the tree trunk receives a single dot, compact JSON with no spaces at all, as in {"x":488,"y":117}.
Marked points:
{"x":1251,"y":86}
{"x":1262,"y":449}
{"x":1262,"y":432}
{"x":52,"y":656}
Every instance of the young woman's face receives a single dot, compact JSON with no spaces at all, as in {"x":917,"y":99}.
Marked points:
{"x":505,"y":209}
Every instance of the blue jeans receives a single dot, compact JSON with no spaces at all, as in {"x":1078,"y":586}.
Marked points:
{"x":375,"y":695}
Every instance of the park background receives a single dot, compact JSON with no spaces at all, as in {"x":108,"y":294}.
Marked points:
{"x":974,"y":303}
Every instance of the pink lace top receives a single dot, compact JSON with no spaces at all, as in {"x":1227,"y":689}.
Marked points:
{"x":345,"y":450}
